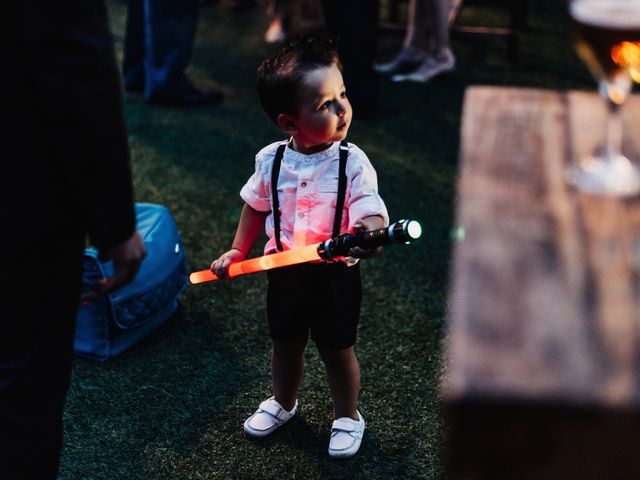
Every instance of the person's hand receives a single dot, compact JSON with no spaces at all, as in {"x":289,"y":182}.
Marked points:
{"x":358,"y":252}
{"x":126,"y":258}
{"x":220,"y":266}
{"x":365,"y":225}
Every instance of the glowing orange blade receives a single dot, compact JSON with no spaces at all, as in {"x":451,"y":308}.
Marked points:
{"x":202,"y":276}
{"x":259,"y":264}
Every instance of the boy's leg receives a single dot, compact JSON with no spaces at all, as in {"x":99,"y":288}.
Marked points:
{"x":343,"y":374}
{"x":287,"y":366}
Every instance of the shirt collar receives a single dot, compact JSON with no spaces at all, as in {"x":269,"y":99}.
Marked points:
{"x":331,"y":152}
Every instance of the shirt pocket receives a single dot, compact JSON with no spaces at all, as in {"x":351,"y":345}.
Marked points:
{"x":327,"y":193}
{"x":327,"y":187}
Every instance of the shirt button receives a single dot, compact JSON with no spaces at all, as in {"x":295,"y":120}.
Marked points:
{"x":303,"y":184}
{"x":301,"y":215}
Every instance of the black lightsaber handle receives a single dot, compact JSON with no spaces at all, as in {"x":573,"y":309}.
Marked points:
{"x":402,"y":231}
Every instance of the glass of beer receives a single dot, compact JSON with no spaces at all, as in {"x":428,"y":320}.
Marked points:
{"x":608,"y":42}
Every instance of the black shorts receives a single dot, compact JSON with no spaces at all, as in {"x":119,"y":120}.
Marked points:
{"x":323,"y":298}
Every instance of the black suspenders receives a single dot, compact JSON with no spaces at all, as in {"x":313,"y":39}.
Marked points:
{"x":342,"y":189}
{"x":275,"y":205}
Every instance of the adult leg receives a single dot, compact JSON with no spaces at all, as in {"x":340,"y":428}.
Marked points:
{"x":417,"y":25}
{"x":343,"y":375}
{"x":440,"y":10}
{"x":440,"y":59}
{"x":169,"y":29}
{"x":414,"y":46}
{"x":35,"y":362}
{"x":134,"y":48}
{"x":287,"y":367}
{"x":353,"y":23}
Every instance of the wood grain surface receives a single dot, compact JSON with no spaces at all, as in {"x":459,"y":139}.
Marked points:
{"x":544,"y":290}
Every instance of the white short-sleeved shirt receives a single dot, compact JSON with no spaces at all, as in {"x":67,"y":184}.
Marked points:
{"x":308,"y":191}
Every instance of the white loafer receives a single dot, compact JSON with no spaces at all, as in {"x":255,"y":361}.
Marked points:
{"x":346,"y":436}
{"x":269,"y":416}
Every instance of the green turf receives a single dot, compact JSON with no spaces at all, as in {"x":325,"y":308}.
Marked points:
{"x":173,"y":407}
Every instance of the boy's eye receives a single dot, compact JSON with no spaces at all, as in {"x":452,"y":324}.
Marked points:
{"x":325,"y":105}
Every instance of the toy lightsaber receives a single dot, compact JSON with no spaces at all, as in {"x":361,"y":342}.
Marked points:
{"x":403,"y":231}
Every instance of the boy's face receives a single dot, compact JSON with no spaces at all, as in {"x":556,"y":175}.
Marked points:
{"x":324,"y":113}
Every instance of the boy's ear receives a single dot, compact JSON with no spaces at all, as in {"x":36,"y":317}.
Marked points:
{"x":287,"y":123}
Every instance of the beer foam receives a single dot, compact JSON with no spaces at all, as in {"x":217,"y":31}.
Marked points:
{"x":616,"y":14}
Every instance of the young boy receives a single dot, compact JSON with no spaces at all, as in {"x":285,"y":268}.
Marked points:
{"x":307,"y":189}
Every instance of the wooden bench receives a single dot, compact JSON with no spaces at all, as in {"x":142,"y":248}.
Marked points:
{"x":542,"y":373}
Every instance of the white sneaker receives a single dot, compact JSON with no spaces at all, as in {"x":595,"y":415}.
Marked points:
{"x":346,"y":436}
{"x":406,"y":59}
{"x":430,"y":68}
{"x":269,"y":416}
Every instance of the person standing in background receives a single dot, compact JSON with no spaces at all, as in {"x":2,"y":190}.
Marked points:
{"x":158,"y":42}
{"x":425,"y":50}
{"x":353,"y":25}
{"x":70,"y":178}
{"x":290,"y":19}
{"x":279,"y":12}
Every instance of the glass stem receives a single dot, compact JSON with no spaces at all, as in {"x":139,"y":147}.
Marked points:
{"x":614,"y":131}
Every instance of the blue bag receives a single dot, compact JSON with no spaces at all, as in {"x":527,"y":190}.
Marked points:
{"x":107,"y":325}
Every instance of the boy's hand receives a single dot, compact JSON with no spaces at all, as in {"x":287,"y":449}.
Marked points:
{"x":357,"y":252}
{"x":365,"y":225}
{"x":220,"y":266}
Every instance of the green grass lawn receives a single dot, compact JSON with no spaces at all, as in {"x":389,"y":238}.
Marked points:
{"x":173,"y":407}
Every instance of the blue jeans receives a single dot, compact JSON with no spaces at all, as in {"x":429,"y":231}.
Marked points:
{"x":158,"y":42}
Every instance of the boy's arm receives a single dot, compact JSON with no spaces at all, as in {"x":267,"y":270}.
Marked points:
{"x":249,"y":228}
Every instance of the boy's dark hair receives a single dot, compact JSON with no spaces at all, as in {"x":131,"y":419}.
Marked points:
{"x":280,"y":76}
